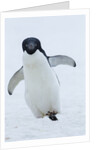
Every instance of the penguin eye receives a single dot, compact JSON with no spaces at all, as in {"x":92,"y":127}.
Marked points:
{"x":26,"y":45}
{"x":35,"y":45}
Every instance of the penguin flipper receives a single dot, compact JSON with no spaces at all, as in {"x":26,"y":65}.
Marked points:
{"x":61,"y":60}
{"x":16,"y":78}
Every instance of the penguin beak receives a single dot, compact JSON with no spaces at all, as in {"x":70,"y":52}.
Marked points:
{"x":31,"y":46}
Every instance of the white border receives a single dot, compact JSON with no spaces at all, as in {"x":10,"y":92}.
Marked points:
{"x":51,"y":141}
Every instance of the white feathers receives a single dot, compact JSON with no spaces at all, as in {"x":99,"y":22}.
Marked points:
{"x":41,"y":85}
{"x":53,"y":61}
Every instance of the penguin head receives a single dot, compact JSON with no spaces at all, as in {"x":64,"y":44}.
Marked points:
{"x":30,"y":45}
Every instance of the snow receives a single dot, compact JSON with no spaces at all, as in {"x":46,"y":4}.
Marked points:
{"x":20,"y":123}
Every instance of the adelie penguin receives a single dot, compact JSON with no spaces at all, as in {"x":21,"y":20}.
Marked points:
{"x":41,"y":83}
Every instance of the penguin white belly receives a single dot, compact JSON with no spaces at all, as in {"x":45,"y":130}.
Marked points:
{"x":41,"y":85}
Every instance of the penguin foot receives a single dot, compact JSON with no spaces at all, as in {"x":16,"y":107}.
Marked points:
{"x":52,"y":115}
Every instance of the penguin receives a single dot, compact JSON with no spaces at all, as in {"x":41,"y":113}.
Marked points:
{"x":42,"y":88}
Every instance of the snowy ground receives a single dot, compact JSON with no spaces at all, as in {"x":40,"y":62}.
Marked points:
{"x":20,"y":123}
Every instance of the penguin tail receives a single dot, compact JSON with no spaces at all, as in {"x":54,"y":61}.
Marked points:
{"x":52,"y":116}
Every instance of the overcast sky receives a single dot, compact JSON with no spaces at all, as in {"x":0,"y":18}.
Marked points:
{"x":58,"y":35}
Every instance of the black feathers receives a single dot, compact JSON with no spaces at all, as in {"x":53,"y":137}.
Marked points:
{"x":30,"y":45}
